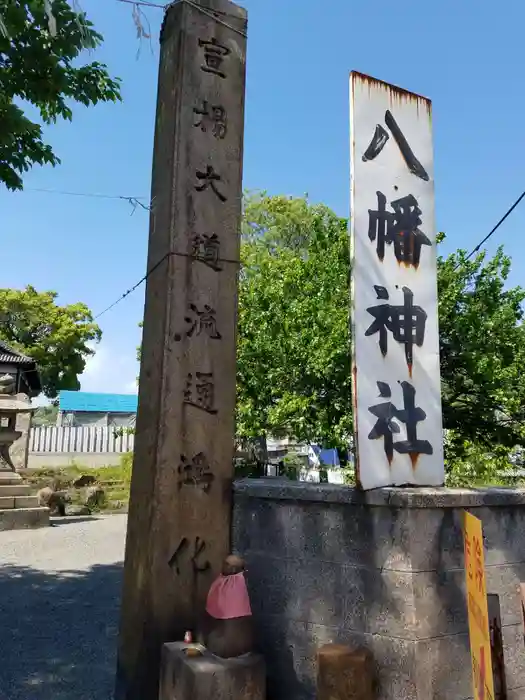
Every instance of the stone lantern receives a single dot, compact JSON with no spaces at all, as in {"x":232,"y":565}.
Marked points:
{"x":10,"y":406}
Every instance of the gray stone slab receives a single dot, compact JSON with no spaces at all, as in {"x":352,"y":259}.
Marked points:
{"x":208,"y":676}
{"x":444,"y":667}
{"x":504,"y":581}
{"x":373,"y":537}
{"x":390,"y":497}
{"x":503,"y":534}
{"x":440,"y":603}
{"x":15,"y":490}
{"x":22,"y":518}
{"x":514,"y":654}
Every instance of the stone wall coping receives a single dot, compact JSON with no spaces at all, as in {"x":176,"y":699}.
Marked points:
{"x":280,"y":489}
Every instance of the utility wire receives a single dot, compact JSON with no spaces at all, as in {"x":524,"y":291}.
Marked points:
{"x":134,"y":201}
{"x":490,"y":233}
{"x":132,"y":289}
{"x":200,"y":8}
{"x":149,"y":272}
{"x":143,"y":279}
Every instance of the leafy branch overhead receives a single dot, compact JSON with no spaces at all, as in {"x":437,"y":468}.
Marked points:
{"x":41,"y":67}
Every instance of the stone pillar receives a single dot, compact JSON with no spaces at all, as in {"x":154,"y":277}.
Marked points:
{"x":11,"y":410}
{"x":179,"y":515}
{"x":20,"y":448}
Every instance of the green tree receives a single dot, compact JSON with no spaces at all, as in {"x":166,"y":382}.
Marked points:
{"x":294,"y":338}
{"x":293,"y":352}
{"x":40,"y":66}
{"x":482,"y":352}
{"x":294,"y":369}
{"x":57,"y":337}
{"x":45,"y":415}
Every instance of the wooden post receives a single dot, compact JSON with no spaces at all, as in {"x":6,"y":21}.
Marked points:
{"x":344,"y":673}
{"x":179,"y":516}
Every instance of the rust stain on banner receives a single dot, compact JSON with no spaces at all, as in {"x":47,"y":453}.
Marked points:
{"x":396,"y":94}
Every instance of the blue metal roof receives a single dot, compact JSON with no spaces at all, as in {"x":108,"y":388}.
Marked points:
{"x":76,"y":401}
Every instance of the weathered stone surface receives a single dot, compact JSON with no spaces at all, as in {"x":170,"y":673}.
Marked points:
{"x":73,"y":509}
{"x":26,"y":502}
{"x":371,"y":537}
{"x":19,"y":451}
{"x":21,"y":518}
{"x":332,"y":570}
{"x":390,"y":497}
{"x":18,"y":489}
{"x":95,"y":497}
{"x":206,"y":676}
{"x":343,"y":672}
{"x":180,"y":502}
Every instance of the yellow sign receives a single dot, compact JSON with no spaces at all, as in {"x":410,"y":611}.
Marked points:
{"x":478,"y":615}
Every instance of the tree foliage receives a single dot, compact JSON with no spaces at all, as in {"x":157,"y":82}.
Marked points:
{"x":45,"y":415}
{"x":57,"y":337}
{"x":294,"y":369}
{"x":294,"y":338}
{"x":293,"y":350}
{"x":41,"y":68}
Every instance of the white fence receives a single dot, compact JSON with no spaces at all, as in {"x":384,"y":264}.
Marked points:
{"x":71,"y":440}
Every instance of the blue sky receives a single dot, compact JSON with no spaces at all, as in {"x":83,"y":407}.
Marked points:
{"x":466,"y":56}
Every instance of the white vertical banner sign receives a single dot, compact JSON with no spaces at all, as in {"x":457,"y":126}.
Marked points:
{"x":396,"y":381}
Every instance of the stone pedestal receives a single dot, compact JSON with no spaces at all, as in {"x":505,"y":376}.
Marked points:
{"x":383,"y":570}
{"x":206,"y":676}
{"x":18,"y":508}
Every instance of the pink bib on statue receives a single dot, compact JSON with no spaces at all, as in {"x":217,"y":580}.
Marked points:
{"x":228,"y":598}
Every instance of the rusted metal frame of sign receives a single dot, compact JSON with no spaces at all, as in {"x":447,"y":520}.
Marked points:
{"x":180,"y":506}
{"x":395,"y":343}
{"x":496,"y":647}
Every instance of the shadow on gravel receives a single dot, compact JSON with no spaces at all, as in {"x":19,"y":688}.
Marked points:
{"x":58,"y":633}
{"x":70,"y":519}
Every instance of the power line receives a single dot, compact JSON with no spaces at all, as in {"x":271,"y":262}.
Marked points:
{"x":492,"y":231}
{"x":149,"y":272}
{"x":210,"y":13}
{"x":132,"y":289}
{"x":134,"y":201}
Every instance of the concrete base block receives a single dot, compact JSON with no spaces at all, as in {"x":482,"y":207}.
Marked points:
{"x":184,"y":677}
{"x":21,"y":518}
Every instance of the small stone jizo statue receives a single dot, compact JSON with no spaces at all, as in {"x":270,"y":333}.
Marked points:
{"x":228,"y":626}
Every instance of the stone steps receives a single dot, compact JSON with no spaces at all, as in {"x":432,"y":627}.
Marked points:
{"x":23,"y":518}
{"x":15,"y":490}
{"x":19,"y":509}
{"x":17,"y":501}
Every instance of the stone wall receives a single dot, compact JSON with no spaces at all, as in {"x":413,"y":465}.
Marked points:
{"x":384,"y":569}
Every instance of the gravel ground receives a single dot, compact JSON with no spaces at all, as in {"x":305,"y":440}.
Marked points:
{"x":59,"y":604}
